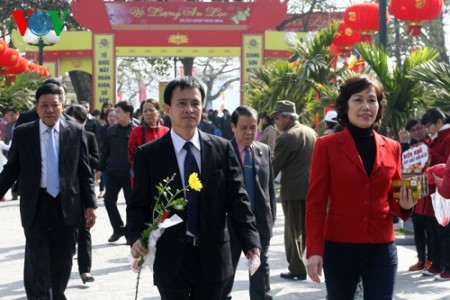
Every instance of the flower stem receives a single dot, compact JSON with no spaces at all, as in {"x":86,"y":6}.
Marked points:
{"x":137,"y":282}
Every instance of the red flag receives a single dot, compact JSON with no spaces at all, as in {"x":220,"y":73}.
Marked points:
{"x":142,"y":91}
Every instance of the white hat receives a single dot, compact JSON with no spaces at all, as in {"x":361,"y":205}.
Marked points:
{"x":331,"y":116}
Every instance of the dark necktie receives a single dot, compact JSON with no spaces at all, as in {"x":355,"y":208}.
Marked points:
{"x":193,"y":197}
{"x":249,"y":176}
{"x":52,"y":164}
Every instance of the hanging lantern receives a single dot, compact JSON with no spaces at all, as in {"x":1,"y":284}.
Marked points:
{"x":3,"y":47}
{"x":346,"y":38}
{"x":415,"y":12}
{"x":9,"y":58}
{"x":363,"y":17}
{"x":18,"y":68}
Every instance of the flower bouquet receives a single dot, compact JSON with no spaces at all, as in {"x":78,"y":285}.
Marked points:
{"x":166,"y":200}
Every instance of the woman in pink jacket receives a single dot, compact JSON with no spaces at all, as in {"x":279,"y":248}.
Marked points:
{"x":349,"y":205}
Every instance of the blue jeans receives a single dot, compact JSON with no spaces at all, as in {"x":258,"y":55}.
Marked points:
{"x":344,"y":263}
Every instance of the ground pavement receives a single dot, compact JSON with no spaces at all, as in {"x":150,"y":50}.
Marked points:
{"x":115,"y":280}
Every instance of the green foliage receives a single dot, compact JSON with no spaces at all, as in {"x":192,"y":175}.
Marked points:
{"x":301,"y":81}
{"x":436,"y":78}
{"x":19,"y":93}
{"x":404,"y":93}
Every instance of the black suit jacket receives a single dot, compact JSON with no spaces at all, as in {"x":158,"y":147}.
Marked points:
{"x":223,"y":193}
{"x":76,"y":178}
{"x":265,"y":200}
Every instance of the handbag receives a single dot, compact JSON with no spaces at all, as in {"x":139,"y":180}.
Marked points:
{"x":441,"y":208}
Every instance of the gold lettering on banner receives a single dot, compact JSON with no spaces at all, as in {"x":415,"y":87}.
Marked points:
{"x":216,"y":12}
{"x":192,"y":12}
{"x":160,"y":12}
{"x":137,"y":12}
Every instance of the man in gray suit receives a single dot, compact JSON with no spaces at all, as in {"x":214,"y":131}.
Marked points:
{"x":292,"y":157}
{"x":256,"y":163}
{"x":50,"y":157}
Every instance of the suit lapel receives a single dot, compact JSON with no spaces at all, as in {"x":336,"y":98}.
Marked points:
{"x":64,"y":137}
{"x":381,"y":152}
{"x":236,"y":150}
{"x":257,"y":156}
{"x":348,"y":148}
{"x":206,"y":154}
{"x":35,"y":140}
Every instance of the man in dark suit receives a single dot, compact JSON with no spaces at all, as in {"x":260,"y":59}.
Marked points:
{"x":193,"y":259}
{"x":259,"y":183}
{"x":32,"y":115}
{"x":50,"y":157}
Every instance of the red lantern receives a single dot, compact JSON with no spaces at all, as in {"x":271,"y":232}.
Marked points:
{"x":363,"y":17}
{"x":9,"y":58}
{"x":20,"y":67}
{"x":415,"y":12}
{"x":3,"y":47}
{"x":346,"y":38}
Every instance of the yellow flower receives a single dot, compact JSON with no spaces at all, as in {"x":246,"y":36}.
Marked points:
{"x":194,"y":182}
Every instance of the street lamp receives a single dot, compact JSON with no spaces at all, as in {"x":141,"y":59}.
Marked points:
{"x":41,"y":41}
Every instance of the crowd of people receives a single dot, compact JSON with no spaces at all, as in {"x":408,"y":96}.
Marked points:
{"x":335,"y":189}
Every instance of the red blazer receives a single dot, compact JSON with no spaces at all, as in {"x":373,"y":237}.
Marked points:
{"x":359,"y":207}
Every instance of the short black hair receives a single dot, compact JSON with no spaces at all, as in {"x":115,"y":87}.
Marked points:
{"x":185,"y":82}
{"x":243,"y":110}
{"x":126,"y":107}
{"x":78,"y":112}
{"x":49,"y":88}
{"x":432,"y":115}
{"x":411,"y":123}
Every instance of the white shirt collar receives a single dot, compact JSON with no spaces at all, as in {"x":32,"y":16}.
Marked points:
{"x":43,"y":127}
{"x":179,"y":142}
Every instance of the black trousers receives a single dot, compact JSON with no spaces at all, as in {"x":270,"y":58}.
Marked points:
{"x":115,"y":182}
{"x":422,"y":237}
{"x":441,"y":244}
{"x":84,"y":249}
{"x":259,"y":282}
{"x":191,"y":283}
{"x":49,"y":250}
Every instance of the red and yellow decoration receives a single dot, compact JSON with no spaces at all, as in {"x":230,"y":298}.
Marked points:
{"x":415,"y":12}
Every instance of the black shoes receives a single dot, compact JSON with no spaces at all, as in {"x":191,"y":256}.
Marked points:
{"x":86,"y":277}
{"x":292,"y":276}
{"x":117,"y":235}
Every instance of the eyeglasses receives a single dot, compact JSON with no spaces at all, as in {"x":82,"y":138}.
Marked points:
{"x":417,"y":129}
{"x":428,"y":125}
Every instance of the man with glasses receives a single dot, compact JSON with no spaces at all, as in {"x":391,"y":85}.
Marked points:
{"x":413,"y":134}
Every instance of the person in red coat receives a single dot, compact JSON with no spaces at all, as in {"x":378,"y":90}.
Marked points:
{"x":150,"y":129}
{"x":437,"y":124}
{"x":443,"y":186}
{"x":349,"y":205}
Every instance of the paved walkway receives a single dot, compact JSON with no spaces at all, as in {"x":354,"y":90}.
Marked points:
{"x":114,"y":280}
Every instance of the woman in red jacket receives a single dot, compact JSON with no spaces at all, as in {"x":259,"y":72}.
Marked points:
{"x":150,"y":129}
{"x":349,"y":205}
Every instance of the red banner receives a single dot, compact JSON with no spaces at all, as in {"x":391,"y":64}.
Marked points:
{"x":149,"y":14}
